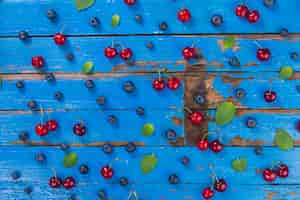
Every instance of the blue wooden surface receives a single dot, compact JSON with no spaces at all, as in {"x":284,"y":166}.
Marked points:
{"x":153,"y":12}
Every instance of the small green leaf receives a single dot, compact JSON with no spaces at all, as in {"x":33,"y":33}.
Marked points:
{"x":148,"y":129}
{"x":286,"y":72}
{"x":115,"y":20}
{"x":83,"y":4}
{"x":148,"y":163}
{"x":283,"y":140}
{"x":70,"y":159}
{"x":88,"y":67}
{"x":225,"y":113}
{"x":239,"y":165}
{"x":229,"y":42}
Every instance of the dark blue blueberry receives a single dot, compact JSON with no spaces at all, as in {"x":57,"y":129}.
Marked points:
{"x":138,"y":19}
{"x":20,"y":84}
{"x":251,"y":122}
{"x":23,"y":35}
{"x":51,"y":14}
{"x":130,"y":147}
{"x":40,"y":157}
{"x":89,"y":84}
{"x":58,"y":96}
{"x":284,"y":32}
{"x":101,"y":100}
{"x":28,"y":190}
{"x":129,"y":87}
{"x":150,"y":45}
{"x":171,"y":135}
{"x":64,"y":146}
{"x":216,"y":20}
{"x":102,"y":194}
{"x":24,"y":136}
{"x":123,"y":181}
{"x":269,"y":3}
{"x":70,"y":56}
{"x":112,"y":119}
{"x":294,"y":56}
{"x":32,"y":105}
{"x":83,"y":169}
{"x":185,"y":160}
{"x":15,"y":175}
{"x":73,"y":197}
{"x":199,"y":99}
{"x":49,"y":77}
{"x":234,"y":62}
{"x":94,"y":22}
{"x":107,"y":148}
{"x":258,"y":150}
{"x":240,"y":93}
{"x":173,"y":179}
{"x":140,"y":111}
{"x":163,"y":26}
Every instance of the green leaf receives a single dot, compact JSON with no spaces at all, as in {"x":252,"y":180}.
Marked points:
{"x":70,"y":159}
{"x":283,"y":140}
{"x":115,"y":20}
{"x":83,"y":4}
{"x":225,"y":113}
{"x":286,"y":72}
{"x":229,"y":42}
{"x":148,"y":129}
{"x":239,"y":165}
{"x":148,"y":163}
{"x":88,"y":67}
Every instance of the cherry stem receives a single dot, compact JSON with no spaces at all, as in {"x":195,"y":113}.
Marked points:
{"x":257,"y":44}
{"x":271,"y":83}
{"x":133,"y":194}
{"x":62,"y":29}
{"x":42,"y":114}
{"x":54,"y":172}
{"x":159,"y":75}
{"x":188,"y":110}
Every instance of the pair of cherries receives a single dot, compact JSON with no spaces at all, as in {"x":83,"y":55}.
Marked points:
{"x":111,"y":52}
{"x":173,"y":83}
{"x":270,"y":174}
{"x":43,"y":129}
{"x":251,"y":15}
{"x":216,"y":146}
{"x":67,"y":183}
{"x":220,"y":185}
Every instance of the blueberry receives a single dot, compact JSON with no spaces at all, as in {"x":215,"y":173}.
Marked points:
{"x":258,"y":150}
{"x":129,"y":87}
{"x":58,"y":96}
{"x":199,"y":99}
{"x":185,"y":160}
{"x":70,"y":56}
{"x":240,"y":93}
{"x":101,"y":100}
{"x":102,"y":194}
{"x":89,"y":84}
{"x":269,"y":3}
{"x":234,"y":62}
{"x":32,"y":105}
{"x":28,"y":190}
{"x":150,"y":45}
{"x":40,"y":157}
{"x":123,"y":181}
{"x":49,"y":77}
{"x":73,"y":197}
{"x":170,"y":135}
{"x":83,"y":169}
{"x":24,"y":136}
{"x":51,"y":14}
{"x":107,"y":148}
{"x":112,"y":119}
{"x":173,"y":179}
{"x":23,"y":35}
{"x":294,"y":56}
{"x":20,"y":84}
{"x":284,"y":32}
{"x":64,"y":146}
{"x":216,"y":20}
{"x":94,"y":22}
{"x":130,"y":147}
{"x":163,"y":26}
{"x":298,"y":88}
{"x":140,"y":111}
{"x":138,"y":19}
{"x":15,"y":175}
{"x":251,"y":122}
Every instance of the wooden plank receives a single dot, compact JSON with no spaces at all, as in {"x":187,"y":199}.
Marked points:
{"x":34,"y":19}
{"x":127,"y":129}
{"x":197,"y":172}
{"x":167,"y":53}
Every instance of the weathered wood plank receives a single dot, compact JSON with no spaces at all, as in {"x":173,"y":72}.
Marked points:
{"x":34,"y":18}
{"x":127,"y":129}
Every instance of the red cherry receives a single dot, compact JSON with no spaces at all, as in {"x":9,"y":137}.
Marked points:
{"x":253,"y":16}
{"x":189,"y":53}
{"x":59,"y":39}
{"x":263,"y":54}
{"x":269,"y":175}
{"x":283,"y":171}
{"x":196,"y":118}
{"x":173,"y":83}
{"x":41,"y":130}
{"x":126,"y":54}
{"x":184,"y":15}
{"x":37,"y":61}
{"x":158,"y":84}
{"x":107,"y":172}
{"x":216,"y":146}
{"x":207,"y":193}
{"x":241,"y":11}
{"x":79,"y":129}
{"x":298,"y":126}
{"x":270,"y":96}
{"x":220,"y":185}
{"x":202,"y":145}
{"x":54,"y":182}
{"x":110,"y":52}
{"x":130,"y":2}
{"x":69,"y":182}
{"x":52,"y":125}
